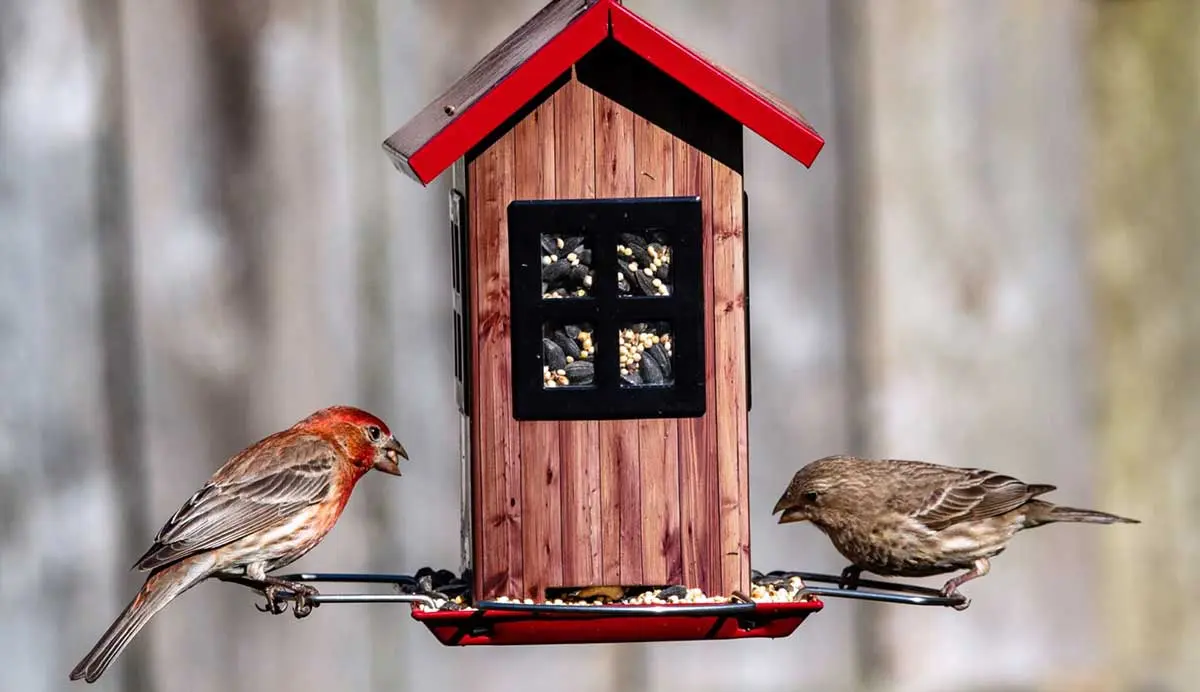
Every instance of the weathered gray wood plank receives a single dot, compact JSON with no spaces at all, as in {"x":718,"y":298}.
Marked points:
{"x":978,"y":315}
{"x":62,"y":527}
{"x":1145,"y":262}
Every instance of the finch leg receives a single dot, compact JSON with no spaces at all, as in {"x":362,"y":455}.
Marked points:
{"x":302,"y":594}
{"x":273,"y":605}
{"x":270,"y":588}
{"x":979,"y":569}
{"x":849,"y":579}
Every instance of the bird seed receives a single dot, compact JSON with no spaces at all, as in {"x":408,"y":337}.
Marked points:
{"x":772,"y":588}
{"x":566,"y":266}
{"x":568,"y":355}
{"x":644,"y":264}
{"x":646,"y":354}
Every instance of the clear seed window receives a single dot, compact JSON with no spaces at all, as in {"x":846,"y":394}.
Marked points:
{"x":645,"y":355}
{"x":566,"y":267}
{"x":607,"y":308}
{"x":568,"y":356}
{"x":645,"y":264}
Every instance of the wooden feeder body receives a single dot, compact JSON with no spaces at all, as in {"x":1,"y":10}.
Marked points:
{"x":606,"y":500}
{"x":591,"y":502}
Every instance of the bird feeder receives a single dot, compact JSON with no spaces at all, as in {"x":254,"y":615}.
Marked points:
{"x":599,"y":228}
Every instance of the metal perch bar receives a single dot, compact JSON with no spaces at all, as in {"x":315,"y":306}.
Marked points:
{"x":866,"y":590}
{"x":880,"y":591}
{"x":400,"y":581}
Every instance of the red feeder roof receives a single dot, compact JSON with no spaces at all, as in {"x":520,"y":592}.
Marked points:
{"x":544,"y":48}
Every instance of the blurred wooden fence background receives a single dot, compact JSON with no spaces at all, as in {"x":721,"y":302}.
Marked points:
{"x":995,"y":262}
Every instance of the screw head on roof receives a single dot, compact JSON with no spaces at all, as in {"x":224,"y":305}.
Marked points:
{"x":449,"y":110}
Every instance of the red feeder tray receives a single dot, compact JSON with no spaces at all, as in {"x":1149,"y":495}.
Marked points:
{"x":494,"y":623}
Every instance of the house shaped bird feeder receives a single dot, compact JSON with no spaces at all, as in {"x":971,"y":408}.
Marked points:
{"x":601,"y":327}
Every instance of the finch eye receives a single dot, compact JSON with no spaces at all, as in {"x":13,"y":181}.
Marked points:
{"x":810,"y":496}
{"x":374,"y":433}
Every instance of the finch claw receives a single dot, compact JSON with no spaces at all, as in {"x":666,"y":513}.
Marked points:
{"x":274,"y":604}
{"x":302,"y":608}
{"x":302,"y":596}
{"x":304,"y":605}
{"x":950,"y":591}
{"x":849,"y":578}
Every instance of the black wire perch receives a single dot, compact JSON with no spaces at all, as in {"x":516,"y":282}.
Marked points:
{"x":430,"y":587}
{"x":866,"y":589}
{"x":410,"y":589}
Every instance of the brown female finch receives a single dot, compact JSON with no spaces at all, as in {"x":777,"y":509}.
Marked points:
{"x":915,"y":519}
{"x":265,"y":508}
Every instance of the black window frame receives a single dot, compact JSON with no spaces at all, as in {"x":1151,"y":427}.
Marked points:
{"x":602,"y":221}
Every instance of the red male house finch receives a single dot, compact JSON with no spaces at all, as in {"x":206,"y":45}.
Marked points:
{"x":265,"y":508}
{"x":915,"y":519}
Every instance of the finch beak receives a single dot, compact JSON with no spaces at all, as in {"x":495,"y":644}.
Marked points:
{"x":390,"y":463}
{"x":789,"y":515}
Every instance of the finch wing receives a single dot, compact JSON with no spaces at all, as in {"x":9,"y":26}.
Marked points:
{"x":256,"y":490}
{"x":965,"y":495}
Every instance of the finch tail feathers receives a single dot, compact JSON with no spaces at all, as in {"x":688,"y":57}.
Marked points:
{"x":160,"y":589}
{"x":1045,"y":513}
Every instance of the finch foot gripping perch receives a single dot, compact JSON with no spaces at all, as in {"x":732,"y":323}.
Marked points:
{"x":274,"y":605}
{"x":278,"y":591}
{"x":849,"y":578}
{"x":301,"y":596}
{"x":849,"y":585}
{"x":981,"y":567}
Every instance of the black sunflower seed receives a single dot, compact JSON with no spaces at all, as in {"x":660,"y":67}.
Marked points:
{"x":645,"y":284}
{"x":650,"y":371}
{"x":569,"y":346}
{"x":678,"y":591}
{"x":659,"y":354}
{"x":578,"y":273}
{"x":570,"y":245}
{"x":555,"y":271}
{"x":631,"y":241}
{"x":553,"y":355}
{"x":581,"y":372}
